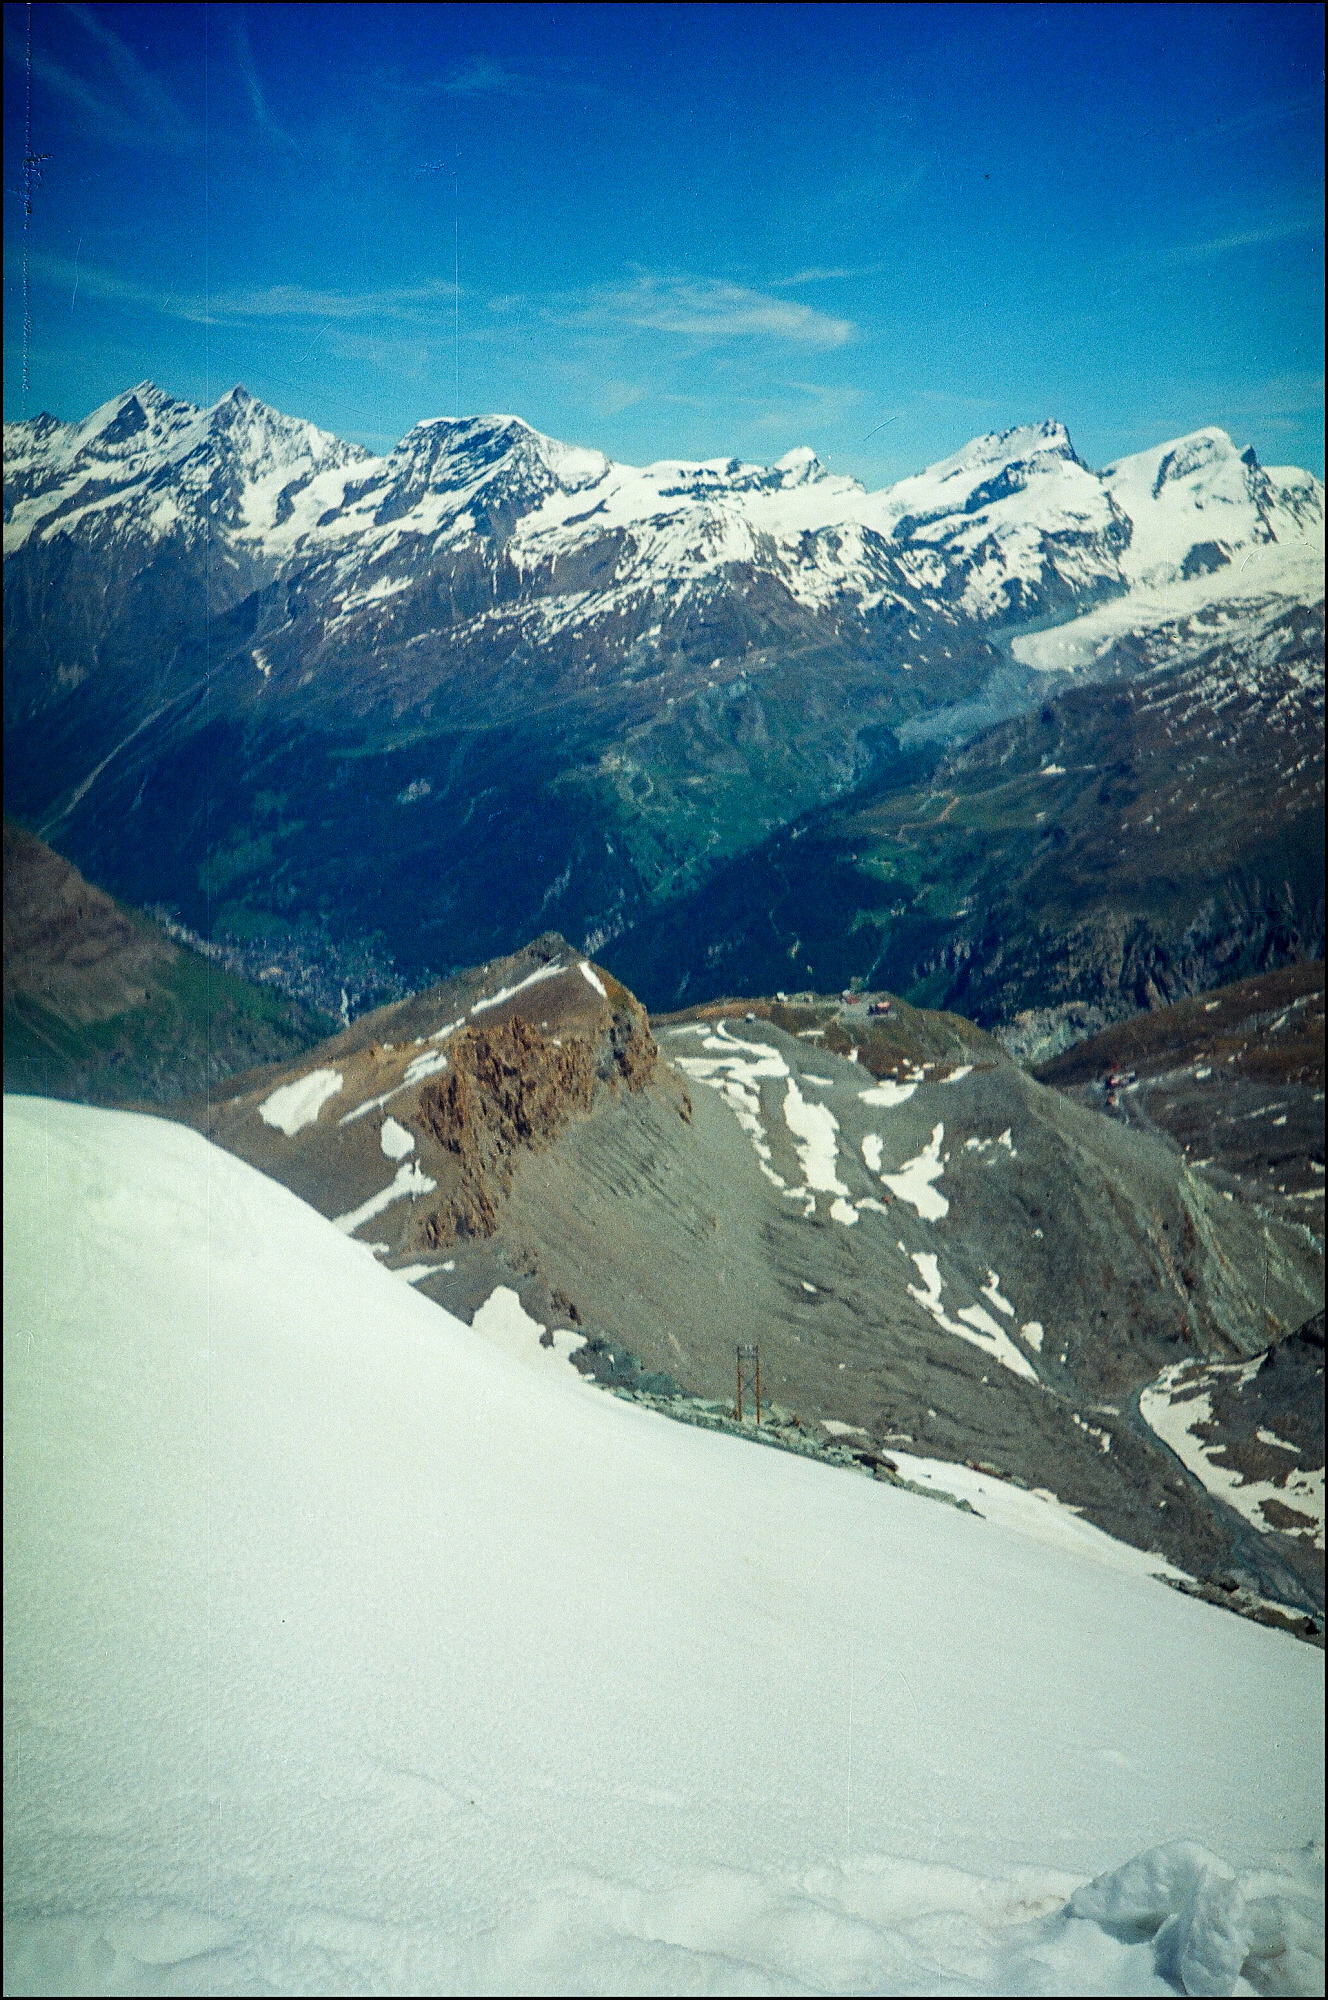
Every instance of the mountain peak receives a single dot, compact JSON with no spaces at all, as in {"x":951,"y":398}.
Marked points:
{"x":800,"y":467}
{"x":1023,"y":442}
{"x":239,"y":398}
{"x":1000,"y":514}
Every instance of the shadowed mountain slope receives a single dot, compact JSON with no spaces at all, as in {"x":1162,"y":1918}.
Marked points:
{"x":245,"y":660}
{"x":1237,"y":1081}
{"x":102,"y":1005}
{"x":1152,"y":834}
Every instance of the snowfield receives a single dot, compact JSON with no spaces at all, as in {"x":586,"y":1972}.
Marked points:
{"x":347,"y":1652}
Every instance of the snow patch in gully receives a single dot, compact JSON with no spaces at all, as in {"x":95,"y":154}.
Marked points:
{"x":295,"y":1105}
{"x":1178,"y":1407}
{"x":408,"y":1180}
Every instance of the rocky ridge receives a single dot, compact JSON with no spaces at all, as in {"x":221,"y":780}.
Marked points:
{"x":454,"y":1086}
{"x":942,"y":1260}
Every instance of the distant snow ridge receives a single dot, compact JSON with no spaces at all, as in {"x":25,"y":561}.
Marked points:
{"x":1013,"y":524}
{"x":156,"y":467}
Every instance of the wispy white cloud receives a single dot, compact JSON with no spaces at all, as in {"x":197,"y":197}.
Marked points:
{"x":860,"y":199}
{"x":820,"y":404}
{"x":1283,"y":405}
{"x":818,"y":274}
{"x":61,"y":274}
{"x":482,"y":76}
{"x":411,"y":304}
{"x":406,"y":357}
{"x":253,"y":87}
{"x":1241,"y":239}
{"x":309,"y":302}
{"x":1257,"y":117}
{"x":709,"y":310}
{"x":610,"y":398}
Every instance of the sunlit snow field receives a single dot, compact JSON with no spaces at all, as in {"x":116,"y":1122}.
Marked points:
{"x":346,"y":1652}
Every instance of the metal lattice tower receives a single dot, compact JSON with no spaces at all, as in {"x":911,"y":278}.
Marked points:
{"x":749,"y":1376}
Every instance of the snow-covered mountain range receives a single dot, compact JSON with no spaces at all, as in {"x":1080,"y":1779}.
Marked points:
{"x":1013,"y":524}
{"x":552,"y":687}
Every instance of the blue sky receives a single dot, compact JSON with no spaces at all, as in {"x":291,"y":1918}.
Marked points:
{"x":683,"y":231}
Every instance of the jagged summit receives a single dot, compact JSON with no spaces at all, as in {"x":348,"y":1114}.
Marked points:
{"x":145,"y":466}
{"x":1019,"y":445}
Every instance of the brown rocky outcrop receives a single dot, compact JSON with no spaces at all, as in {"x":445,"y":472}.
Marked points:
{"x":632,"y":1047}
{"x":511,"y":1088}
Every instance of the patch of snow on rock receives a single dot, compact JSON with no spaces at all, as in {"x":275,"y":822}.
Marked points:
{"x":504,"y":1322}
{"x":913,"y":1182}
{"x":888,"y":1093}
{"x":408,"y":1180}
{"x":396,"y":1141}
{"x":815,"y":1132}
{"x":510,"y":992}
{"x":1178,"y":1406}
{"x":735,"y":1069}
{"x":973,"y":1324}
{"x":294,"y":1105}
{"x":992,"y":1290}
{"x":429,"y":1064}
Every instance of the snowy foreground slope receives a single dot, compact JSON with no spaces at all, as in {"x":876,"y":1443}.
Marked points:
{"x":345,"y":1652}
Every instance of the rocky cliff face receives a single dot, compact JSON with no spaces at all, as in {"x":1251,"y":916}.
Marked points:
{"x":457,"y":1087}
{"x":510,"y":1089}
